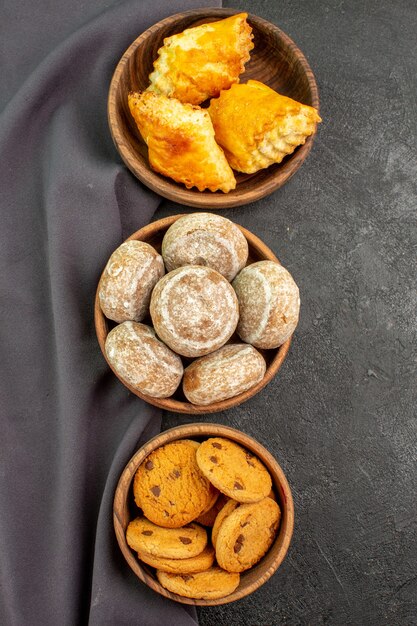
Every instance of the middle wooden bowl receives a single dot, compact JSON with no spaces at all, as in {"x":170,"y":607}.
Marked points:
{"x":153,"y":234}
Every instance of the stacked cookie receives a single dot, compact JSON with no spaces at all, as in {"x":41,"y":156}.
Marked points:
{"x":178,"y":312}
{"x":208,"y":514}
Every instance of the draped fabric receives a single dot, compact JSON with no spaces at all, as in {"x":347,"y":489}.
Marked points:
{"x":67,"y":425}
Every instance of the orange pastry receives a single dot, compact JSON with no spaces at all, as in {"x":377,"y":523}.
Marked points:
{"x":181,"y":144}
{"x":256,"y":126}
{"x":198,"y":63}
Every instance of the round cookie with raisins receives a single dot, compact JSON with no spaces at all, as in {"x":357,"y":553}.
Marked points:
{"x":233,"y":470}
{"x":246,"y":534}
{"x":169,"y":543}
{"x":208,"y":585}
{"x":169,"y":486}
{"x":198,"y":563}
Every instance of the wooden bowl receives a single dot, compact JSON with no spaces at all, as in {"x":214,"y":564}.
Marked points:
{"x":124,"y":510}
{"x":153,"y":234}
{"x":275,"y":61}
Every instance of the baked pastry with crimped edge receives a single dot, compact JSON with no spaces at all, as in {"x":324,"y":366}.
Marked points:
{"x":180,"y":140}
{"x":169,"y":486}
{"x":201,"y":61}
{"x":234,"y":470}
{"x":208,"y":585}
{"x":256,"y":126}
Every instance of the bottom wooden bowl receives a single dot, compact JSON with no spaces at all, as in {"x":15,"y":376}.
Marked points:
{"x":124,"y":510}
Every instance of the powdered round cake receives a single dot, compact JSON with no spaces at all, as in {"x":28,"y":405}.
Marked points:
{"x":205,"y":239}
{"x":269,"y":304}
{"x":127,"y":281}
{"x":143,"y":361}
{"x":225,"y":373}
{"x":194,"y":310}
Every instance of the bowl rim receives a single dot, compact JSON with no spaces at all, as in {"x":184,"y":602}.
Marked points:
{"x":171,"y":404}
{"x":168,"y":188}
{"x":205,"y":429}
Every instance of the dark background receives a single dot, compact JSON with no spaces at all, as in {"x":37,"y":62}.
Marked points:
{"x":340,"y":417}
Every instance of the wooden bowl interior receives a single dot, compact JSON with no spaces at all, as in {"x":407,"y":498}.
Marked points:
{"x":153,"y":234}
{"x":275,"y":61}
{"x":124,"y":510}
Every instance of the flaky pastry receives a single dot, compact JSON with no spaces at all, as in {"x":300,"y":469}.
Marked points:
{"x":180,"y":140}
{"x":201,"y":61}
{"x":256,"y":126}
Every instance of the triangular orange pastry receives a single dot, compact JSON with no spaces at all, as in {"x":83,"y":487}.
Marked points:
{"x":181,"y":144}
{"x":256,"y":126}
{"x":198,"y":63}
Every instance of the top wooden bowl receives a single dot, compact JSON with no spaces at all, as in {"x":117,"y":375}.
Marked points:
{"x":125,"y":510}
{"x":275,"y":61}
{"x":153,"y":234}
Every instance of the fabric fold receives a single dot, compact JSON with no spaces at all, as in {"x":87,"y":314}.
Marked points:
{"x":67,"y":424}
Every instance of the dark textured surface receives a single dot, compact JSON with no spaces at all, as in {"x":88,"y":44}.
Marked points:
{"x":340,"y":416}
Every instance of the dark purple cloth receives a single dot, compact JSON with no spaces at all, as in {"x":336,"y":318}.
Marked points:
{"x":67,"y":425}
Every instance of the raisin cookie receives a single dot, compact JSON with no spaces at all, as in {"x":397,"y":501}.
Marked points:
{"x":169,"y":486}
{"x":211,"y":504}
{"x":246,"y":534}
{"x":229,"y":507}
{"x":209,"y":585}
{"x":208,"y":517}
{"x":233,"y":470}
{"x":198,"y":563}
{"x":168,"y":543}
